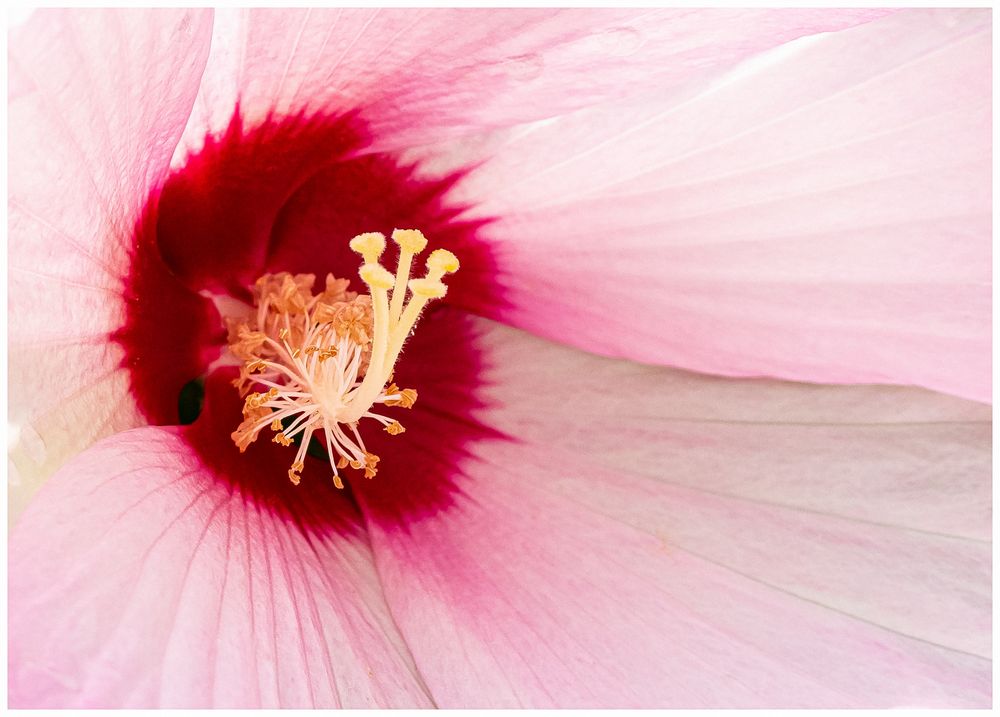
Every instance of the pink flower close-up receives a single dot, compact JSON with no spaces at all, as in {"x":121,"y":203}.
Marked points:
{"x":500,"y":358}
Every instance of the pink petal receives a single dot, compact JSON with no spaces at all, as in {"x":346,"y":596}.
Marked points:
{"x":97,"y":104}
{"x":654,"y":538}
{"x":823,"y":215}
{"x":416,"y":79}
{"x":138,"y":578}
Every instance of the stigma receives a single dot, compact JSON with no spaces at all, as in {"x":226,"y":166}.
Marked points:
{"x":318,"y":364}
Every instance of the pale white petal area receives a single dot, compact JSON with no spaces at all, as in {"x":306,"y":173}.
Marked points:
{"x":650,"y":537}
{"x":822,"y":214}
{"x":141,"y":578}
{"x":97,"y":102}
{"x":419,"y":75}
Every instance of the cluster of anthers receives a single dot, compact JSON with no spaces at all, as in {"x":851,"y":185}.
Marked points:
{"x":325,"y":360}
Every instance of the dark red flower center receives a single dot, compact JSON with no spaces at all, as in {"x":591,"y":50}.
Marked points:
{"x":288,"y":195}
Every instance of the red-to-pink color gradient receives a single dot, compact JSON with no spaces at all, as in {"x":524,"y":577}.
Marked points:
{"x":573,"y":518}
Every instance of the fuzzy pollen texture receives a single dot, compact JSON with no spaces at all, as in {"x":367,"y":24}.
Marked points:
{"x":322,"y":361}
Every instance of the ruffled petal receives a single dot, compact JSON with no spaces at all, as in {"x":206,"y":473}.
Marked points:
{"x":140,"y":578}
{"x":653,"y":538}
{"x":97,"y":103}
{"x":821,"y":215}
{"x":416,"y":79}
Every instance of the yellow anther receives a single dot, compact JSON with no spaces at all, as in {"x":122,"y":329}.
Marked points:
{"x":370,"y":245}
{"x":366,"y":333}
{"x":411,"y":240}
{"x":428,"y":288}
{"x":376,"y":276}
{"x":442,"y":261}
{"x":371,"y":465}
{"x":256,"y":400}
{"x":407,"y":397}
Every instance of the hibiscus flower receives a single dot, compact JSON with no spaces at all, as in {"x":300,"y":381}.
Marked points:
{"x":701,"y":417}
